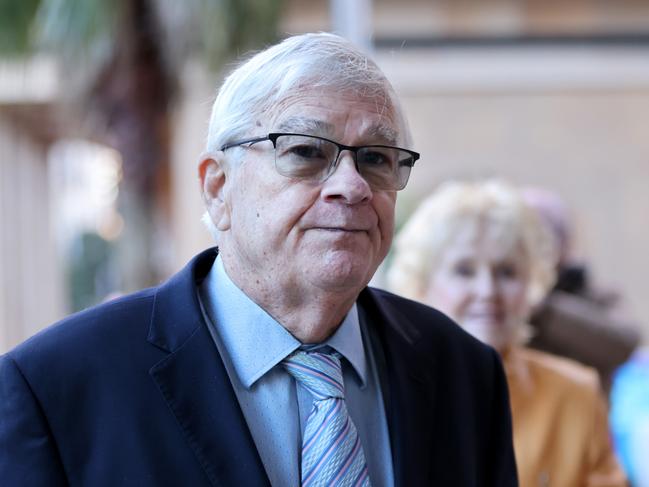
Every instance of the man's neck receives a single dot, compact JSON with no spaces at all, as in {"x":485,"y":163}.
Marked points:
{"x":309,"y":313}
{"x":314,"y":322}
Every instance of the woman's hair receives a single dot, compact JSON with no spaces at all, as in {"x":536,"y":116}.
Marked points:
{"x":299,"y":63}
{"x":494,"y":205}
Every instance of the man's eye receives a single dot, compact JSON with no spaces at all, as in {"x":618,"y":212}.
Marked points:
{"x":376,"y":157}
{"x":307,"y":151}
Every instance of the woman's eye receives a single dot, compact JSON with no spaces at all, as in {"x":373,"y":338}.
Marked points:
{"x":508,"y":271}
{"x":463,"y":270}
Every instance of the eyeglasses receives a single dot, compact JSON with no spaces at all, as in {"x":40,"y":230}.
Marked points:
{"x":315,"y":158}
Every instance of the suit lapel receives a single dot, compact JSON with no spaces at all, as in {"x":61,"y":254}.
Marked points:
{"x":196,"y":386}
{"x":409,"y":392}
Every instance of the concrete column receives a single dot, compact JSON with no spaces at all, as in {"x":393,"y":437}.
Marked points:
{"x":353,"y":19}
{"x":31,"y":284}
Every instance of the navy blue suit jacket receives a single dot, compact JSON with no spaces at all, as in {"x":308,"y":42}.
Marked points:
{"x":134,"y":392}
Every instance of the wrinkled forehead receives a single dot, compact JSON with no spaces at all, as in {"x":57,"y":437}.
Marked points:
{"x":378,"y":131}
{"x":326,"y":112}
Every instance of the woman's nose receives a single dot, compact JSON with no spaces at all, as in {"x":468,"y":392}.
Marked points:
{"x":485,"y":284}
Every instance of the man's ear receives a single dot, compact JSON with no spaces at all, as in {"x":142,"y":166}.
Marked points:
{"x":212,"y":172}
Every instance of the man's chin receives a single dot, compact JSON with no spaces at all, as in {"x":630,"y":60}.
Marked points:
{"x":343,"y":272}
{"x":339,"y":240}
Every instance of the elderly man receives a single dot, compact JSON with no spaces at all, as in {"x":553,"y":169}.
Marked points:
{"x":269,"y":361}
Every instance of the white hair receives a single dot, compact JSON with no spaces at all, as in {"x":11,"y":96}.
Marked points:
{"x":303,"y":62}
{"x":455,"y":205}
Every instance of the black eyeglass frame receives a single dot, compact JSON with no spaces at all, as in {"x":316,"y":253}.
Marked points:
{"x":273,"y":136}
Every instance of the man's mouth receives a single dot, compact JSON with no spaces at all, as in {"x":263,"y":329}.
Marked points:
{"x":341,"y":229}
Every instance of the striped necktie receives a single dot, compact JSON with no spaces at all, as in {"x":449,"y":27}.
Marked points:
{"x":332,"y":453}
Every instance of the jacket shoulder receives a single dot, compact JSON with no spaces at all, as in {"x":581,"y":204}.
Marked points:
{"x":102,"y":325}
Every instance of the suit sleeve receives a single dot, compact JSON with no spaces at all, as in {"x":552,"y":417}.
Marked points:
{"x":28,"y":455}
{"x":501,"y":458}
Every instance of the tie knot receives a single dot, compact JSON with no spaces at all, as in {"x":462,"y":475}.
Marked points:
{"x":320,"y":373}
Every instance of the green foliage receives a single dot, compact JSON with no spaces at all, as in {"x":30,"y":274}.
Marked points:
{"x":222,"y":29}
{"x":216,"y":29}
{"x":75,"y":26}
{"x":69,"y":28}
{"x":16,"y":17}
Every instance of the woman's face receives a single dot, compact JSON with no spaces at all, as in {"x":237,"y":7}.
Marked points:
{"x":481,"y":282}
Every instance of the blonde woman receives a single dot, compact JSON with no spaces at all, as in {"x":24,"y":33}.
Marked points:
{"x":478,"y":253}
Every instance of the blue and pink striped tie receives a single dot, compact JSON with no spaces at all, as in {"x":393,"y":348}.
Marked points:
{"x":332,"y":454}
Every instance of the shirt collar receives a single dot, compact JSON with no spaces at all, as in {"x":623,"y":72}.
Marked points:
{"x":347,"y":341}
{"x":255,"y":341}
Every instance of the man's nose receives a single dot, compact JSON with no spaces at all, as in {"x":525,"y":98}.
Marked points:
{"x":346,"y":183}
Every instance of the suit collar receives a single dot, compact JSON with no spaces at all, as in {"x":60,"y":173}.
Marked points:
{"x":195,"y":385}
{"x":176,"y":310}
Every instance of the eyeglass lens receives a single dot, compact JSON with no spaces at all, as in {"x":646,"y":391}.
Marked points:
{"x":305,"y":157}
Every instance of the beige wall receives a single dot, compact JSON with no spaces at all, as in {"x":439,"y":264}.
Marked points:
{"x":574,"y":122}
{"x":412,"y":18}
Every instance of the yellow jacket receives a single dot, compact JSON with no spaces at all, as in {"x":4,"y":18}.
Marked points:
{"x":561,"y":436}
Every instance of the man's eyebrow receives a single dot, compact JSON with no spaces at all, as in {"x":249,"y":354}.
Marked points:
{"x":384,"y":133}
{"x":305,"y":125}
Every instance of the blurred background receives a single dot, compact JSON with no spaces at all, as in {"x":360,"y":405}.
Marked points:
{"x":104,"y":108}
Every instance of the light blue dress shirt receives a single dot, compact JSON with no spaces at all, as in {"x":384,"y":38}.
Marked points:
{"x":252,"y":345}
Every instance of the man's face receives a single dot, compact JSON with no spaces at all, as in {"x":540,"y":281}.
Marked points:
{"x":293,"y":235}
